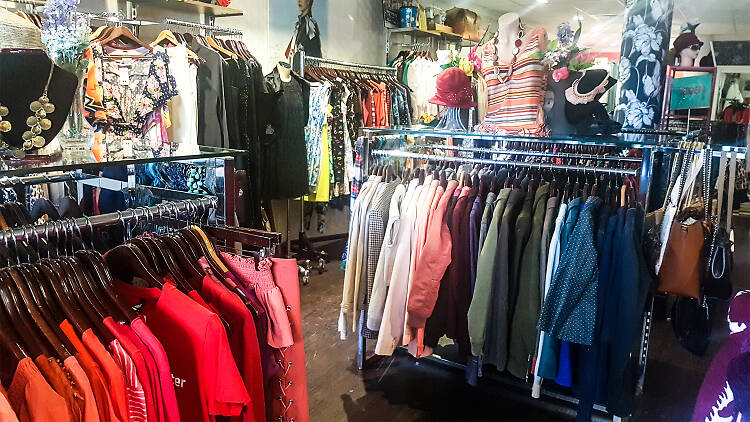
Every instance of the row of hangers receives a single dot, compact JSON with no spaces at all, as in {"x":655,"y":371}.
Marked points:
{"x":321,"y":73}
{"x":58,"y":275}
{"x":615,"y":189}
{"x":123,"y":36}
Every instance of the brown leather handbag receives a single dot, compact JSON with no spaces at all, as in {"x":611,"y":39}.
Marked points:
{"x":683,"y":265}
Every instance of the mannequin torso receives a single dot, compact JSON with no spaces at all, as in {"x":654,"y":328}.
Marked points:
{"x":515,"y":79}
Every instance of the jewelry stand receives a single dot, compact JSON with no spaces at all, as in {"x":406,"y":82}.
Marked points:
{"x":450,"y":119}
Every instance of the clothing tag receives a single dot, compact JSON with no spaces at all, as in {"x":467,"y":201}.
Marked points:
{"x":127,"y":147}
{"x":123,"y":73}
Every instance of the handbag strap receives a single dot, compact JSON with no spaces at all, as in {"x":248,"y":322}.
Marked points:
{"x":730,"y":189}
{"x":720,"y":186}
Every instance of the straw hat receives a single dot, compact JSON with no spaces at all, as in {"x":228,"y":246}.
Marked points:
{"x":17,"y":32}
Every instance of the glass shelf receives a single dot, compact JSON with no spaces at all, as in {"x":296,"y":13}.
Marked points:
{"x":192,"y":6}
{"x":625,"y":140}
{"x":85,"y":160}
{"x":416,"y":32}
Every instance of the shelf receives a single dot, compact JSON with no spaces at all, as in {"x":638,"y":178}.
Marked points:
{"x":416,"y":32}
{"x":86,"y":161}
{"x":192,"y":6}
{"x":625,"y":140}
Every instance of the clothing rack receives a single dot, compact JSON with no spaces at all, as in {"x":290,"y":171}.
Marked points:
{"x":320,"y":62}
{"x":530,"y":153}
{"x":133,"y":215}
{"x":645,"y":174}
{"x":306,"y":250}
{"x":208,"y":28}
{"x":431,"y":157}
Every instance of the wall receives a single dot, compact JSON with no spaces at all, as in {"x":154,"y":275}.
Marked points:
{"x":350,"y":30}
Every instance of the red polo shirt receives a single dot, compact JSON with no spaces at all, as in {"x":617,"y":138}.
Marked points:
{"x":207,"y":381}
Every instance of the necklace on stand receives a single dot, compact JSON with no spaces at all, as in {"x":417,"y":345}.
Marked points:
{"x":516,"y":50}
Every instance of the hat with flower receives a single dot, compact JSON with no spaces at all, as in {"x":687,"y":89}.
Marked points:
{"x":454,"y":89}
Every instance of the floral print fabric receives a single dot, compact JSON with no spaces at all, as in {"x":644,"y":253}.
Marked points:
{"x":645,"y":46}
{"x":313,"y":133}
{"x":129,"y":91}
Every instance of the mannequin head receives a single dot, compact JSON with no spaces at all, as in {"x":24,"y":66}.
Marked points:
{"x":687,"y":47}
{"x":508,"y":21}
{"x":305,"y":6}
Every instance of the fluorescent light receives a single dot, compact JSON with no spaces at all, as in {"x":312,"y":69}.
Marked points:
{"x":542,"y":1}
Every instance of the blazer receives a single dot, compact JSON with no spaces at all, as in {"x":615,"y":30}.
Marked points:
{"x":496,"y":344}
{"x":523,"y":331}
{"x":394,"y":310}
{"x":569,"y":312}
{"x":436,"y":256}
{"x":483,"y":288}
{"x":387,"y":257}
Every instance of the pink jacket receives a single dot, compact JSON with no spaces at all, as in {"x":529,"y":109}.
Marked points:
{"x":434,"y":259}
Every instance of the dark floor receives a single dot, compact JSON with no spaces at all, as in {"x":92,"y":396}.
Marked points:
{"x":401,"y":389}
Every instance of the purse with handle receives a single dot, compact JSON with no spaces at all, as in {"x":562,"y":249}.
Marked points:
{"x":682,"y":267}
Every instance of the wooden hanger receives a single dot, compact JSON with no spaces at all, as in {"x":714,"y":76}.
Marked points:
{"x":21,"y":284}
{"x":167,"y":36}
{"x":95,"y":263}
{"x":124,"y":34}
{"x":53,"y":275}
{"x":87,"y":303}
{"x":125,"y":262}
{"x":9,"y":338}
{"x":27,"y":331}
{"x":213,"y":44}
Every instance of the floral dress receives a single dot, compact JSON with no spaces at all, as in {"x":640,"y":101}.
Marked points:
{"x":317,"y":118}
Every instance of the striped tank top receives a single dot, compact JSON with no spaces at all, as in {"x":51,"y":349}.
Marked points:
{"x":514,"y":105}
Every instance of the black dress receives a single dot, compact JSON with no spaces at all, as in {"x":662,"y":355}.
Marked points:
{"x":284,"y":111}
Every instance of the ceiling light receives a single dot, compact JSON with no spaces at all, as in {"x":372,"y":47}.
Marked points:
{"x":542,"y":1}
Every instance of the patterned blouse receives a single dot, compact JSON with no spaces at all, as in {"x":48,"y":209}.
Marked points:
{"x":515,"y":105}
{"x":125,"y":93}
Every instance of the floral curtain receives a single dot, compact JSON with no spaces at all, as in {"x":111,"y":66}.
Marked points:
{"x":645,"y":47}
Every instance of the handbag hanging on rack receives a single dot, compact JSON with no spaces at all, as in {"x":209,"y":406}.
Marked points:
{"x":682,"y":267}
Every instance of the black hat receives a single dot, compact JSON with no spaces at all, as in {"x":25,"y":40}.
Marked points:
{"x":686,"y":40}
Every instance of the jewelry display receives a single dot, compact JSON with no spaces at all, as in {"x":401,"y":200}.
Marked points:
{"x":5,"y":125}
{"x":516,"y":50}
{"x":39,"y":122}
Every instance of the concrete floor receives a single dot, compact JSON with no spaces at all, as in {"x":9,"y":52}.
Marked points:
{"x":401,"y":389}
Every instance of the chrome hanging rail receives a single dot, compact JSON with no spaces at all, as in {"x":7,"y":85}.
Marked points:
{"x":166,"y":209}
{"x":530,"y":153}
{"x":317,"y":61}
{"x":430,"y":157}
{"x":210,"y":28}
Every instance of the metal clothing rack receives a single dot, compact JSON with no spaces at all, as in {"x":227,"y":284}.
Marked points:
{"x":168,"y":209}
{"x":645,"y":174}
{"x":444,"y":158}
{"x":209,"y":28}
{"x":565,"y":155}
{"x":305,"y":250}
